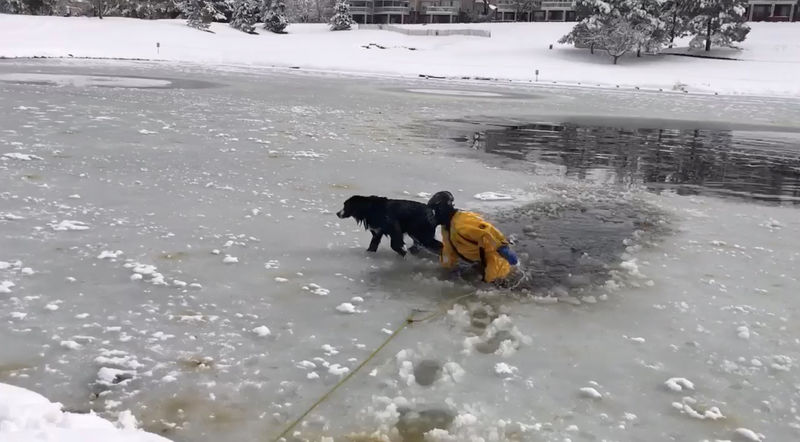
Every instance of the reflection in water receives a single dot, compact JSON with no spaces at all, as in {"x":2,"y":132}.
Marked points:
{"x":757,"y":165}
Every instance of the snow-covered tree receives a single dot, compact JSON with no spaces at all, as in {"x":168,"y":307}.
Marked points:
{"x":717,"y":22}
{"x":647,"y":25}
{"x":618,"y":36}
{"x":342,"y":20}
{"x":244,"y":17}
{"x":12,"y":7}
{"x":199,"y":13}
{"x":675,"y":15}
{"x":619,"y":26}
{"x":275,"y":20}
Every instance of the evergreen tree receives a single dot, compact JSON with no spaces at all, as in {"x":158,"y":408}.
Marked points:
{"x":12,"y":7}
{"x":275,"y":20}
{"x":342,"y":20}
{"x":718,"y":22}
{"x":199,"y":13}
{"x":675,"y":15}
{"x":619,"y":26}
{"x":244,"y":16}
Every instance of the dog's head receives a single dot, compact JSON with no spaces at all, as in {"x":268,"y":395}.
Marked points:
{"x":358,"y":207}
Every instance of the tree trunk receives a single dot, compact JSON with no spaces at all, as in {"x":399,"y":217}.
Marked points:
{"x":708,"y":35}
{"x":674,"y":25}
{"x":615,"y":58}
{"x":638,"y":52}
{"x":591,"y":48}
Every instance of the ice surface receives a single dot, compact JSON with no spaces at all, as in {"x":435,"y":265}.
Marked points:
{"x":167,"y":329}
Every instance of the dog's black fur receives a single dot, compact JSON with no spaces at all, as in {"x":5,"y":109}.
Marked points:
{"x":393,"y":218}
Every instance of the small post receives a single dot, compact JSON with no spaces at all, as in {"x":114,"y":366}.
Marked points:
{"x":158,"y":47}
{"x":537,"y":74}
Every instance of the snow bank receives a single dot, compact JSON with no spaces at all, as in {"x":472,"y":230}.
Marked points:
{"x":26,"y":416}
{"x":769,"y":61}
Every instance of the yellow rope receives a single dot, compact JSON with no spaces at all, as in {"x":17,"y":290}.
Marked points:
{"x":409,"y":320}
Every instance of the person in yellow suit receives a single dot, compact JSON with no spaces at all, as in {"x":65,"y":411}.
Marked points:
{"x":467,"y":236}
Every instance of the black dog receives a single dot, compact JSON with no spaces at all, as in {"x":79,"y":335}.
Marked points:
{"x":393,"y":218}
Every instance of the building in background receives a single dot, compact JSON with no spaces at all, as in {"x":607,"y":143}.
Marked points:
{"x":773,"y":10}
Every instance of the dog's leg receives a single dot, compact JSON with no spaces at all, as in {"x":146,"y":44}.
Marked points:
{"x":398,"y":245}
{"x":414,"y":249}
{"x":376,"y":240}
{"x":433,"y":245}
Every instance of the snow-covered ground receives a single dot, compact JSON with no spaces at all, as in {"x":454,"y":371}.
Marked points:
{"x":172,"y":250}
{"x":769,"y":59}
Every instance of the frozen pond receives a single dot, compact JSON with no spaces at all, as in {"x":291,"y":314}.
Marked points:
{"x":173,"y":250}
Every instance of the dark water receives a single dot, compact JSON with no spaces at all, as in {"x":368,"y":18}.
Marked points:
{"x":762,"y":166}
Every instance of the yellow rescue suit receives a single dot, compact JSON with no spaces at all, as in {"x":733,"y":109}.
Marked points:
{"x":466,"y":235}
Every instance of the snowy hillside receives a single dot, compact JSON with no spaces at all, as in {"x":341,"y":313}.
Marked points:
{"x":514,"y":51}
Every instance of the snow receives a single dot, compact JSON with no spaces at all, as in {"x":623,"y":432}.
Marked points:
{"x":21,"y":156}
{"x":590,"y":392}
{"x":748,"y":434}
{"x":492,"y":196}
{"x":67,"y":225}
{"x":770,"y":51}
{"x":26,"y":416}
{"x":262,"y":331}
{"x":679,"y":384}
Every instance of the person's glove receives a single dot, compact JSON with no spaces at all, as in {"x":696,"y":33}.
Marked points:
{"x":508,"y":254}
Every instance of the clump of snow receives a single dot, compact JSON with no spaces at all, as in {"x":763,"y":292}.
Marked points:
{"x":590,"y":392}
{"x":21,"y":156}
{"x":346,"y":307}
{"x":338,"y":370}
{"x":505,"y":370}
{"x":743,"y":332}
{"x":71,"y":345}
{"x":688,"y":406}
{"x":493,"y":196}
{"x":109,"y":254}
{"x":262,"y":331}
{"x":316,"y":289}
{"x":228,"y":259}
{"x":271,"y":264}
{"x":29,"y":416}
{"x":279,"y":279}
{"x":679,"y":384}
{"x":69,"y":225}
{"x":5,"y":286}
{"x":748,"y":434}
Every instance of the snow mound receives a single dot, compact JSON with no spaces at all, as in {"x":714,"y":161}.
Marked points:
{"x":26,"y":416}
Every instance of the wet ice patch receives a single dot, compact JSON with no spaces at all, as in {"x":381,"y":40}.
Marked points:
{"x":84,"y":80}
{"x":456,"y":93}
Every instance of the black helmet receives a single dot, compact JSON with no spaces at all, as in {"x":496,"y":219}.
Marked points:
{"x":441,"y":199}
